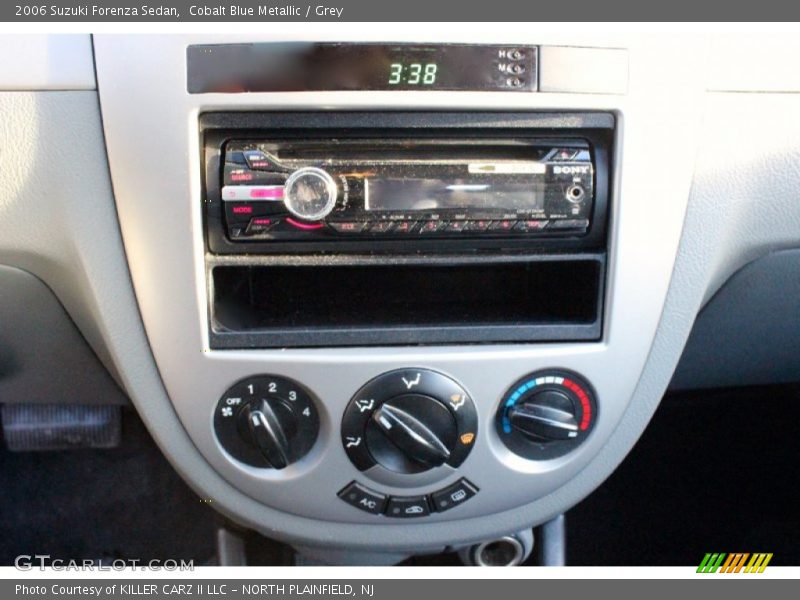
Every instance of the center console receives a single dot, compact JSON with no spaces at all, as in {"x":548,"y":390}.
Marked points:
{"x":353,"y":229}
{"x":400,"y":296}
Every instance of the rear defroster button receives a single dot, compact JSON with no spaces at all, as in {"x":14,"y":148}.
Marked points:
{"x":453,"y":495}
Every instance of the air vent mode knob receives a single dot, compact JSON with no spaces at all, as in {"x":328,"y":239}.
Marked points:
{"x":409,"y":421}
{"x":310,"y":193}
{"x":411,"y":433}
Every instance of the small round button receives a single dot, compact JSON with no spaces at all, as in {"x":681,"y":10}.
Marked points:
{"x":310,"y":193}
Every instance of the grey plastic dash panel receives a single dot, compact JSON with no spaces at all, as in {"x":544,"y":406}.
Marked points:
{"x":749,"y":333}
{"x":43,"y":357}
{"x":165,"y":246}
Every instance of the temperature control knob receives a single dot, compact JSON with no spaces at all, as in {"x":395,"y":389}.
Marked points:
{"x":310,"y":193}
{"x":409,"y":421}
{"x":266,"y":421}
{"x":546,"y":414}
{"x":545,"y":417}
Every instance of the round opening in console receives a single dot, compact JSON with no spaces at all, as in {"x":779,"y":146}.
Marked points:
{"x":575,"y":193}
{"x":505,"y":552}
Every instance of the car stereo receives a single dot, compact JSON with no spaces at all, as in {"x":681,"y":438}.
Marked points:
{"x":431,"y":188}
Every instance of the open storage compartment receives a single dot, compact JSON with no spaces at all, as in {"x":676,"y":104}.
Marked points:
{"x":369,"y":302}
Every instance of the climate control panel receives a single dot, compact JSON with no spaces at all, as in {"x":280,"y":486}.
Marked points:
{"x":407,"y":435}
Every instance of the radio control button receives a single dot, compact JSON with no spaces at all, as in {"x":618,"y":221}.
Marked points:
{"x":257,"y":160}
{"x":569,"y":224}
{"x":408,"y":507}
{"x":381,"y":226}
{"x":235,"y":157}
{"x":479,"y":225}
{"x":253,"y":193}
{"x":240,"y":213}
{"x":310,"y":193}
{"x":431,"y":226}
{"x":504,"y":225}
{"x":531,"y":225}
{"x":260,"y":225}
{"x":363,"y":498}
{"x":564,"y":154}
{"x":240,"y":175}
{"x":457,"y":226}
{"x":404,"y":227}
{"x":348,"y":226}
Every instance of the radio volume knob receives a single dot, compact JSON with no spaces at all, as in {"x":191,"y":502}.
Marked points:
{"x":310,"y":193}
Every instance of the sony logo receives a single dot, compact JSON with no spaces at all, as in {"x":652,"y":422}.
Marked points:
{"x":570,"y":170}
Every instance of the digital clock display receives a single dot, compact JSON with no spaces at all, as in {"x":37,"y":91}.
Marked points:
{"x":303,"y":67}
{"x":413,"y":73}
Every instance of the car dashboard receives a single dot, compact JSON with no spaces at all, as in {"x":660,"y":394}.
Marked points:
{"x":392,"y":293}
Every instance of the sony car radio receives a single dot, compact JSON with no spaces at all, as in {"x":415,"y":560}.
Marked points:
{"x":404,"y":188}
{"x":352,"y":182}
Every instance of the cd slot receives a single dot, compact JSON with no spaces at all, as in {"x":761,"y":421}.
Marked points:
{"x":490,"y":300}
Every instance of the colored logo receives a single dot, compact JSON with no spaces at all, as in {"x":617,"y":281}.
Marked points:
{"x":734,"y":563}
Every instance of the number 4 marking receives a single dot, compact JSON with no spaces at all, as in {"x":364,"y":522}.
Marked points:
{"x":307,"y":412}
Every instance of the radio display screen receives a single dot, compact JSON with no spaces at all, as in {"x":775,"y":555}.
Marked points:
{"x":430,"y":195}
{"x":301,"y":66}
